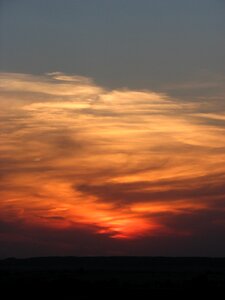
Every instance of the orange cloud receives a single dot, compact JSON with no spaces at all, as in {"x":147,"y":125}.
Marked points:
{"x":118,"y":162}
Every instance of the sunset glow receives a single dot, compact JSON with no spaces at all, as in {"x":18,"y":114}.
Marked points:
{"x":125,"y":164}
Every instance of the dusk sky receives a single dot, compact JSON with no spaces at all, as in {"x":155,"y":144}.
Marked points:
{"x":112,"y":127}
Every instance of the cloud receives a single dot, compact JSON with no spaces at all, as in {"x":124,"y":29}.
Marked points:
{"x":118,"y":164}
{"x":51,"y":84}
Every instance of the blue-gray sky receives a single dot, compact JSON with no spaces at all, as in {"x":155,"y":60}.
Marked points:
{"x":120,"y":43}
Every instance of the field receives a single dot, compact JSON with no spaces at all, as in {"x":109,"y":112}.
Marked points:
{"x":112,"y":277}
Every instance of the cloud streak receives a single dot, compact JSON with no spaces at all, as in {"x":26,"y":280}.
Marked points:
{"x":118,"y":164}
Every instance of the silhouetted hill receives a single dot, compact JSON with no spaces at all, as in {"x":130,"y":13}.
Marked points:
{"x":108,"y":277}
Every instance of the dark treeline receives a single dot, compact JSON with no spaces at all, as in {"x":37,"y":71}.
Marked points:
{"x":108,"y":277}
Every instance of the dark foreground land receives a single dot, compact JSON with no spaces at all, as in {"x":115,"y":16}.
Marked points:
{"x":113,"y":277}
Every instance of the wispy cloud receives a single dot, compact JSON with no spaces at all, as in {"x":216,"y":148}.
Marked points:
{"x":120,"y":163}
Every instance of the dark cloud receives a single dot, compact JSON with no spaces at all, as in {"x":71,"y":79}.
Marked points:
{"x":22,"y":241}
{"x":200,"y":189}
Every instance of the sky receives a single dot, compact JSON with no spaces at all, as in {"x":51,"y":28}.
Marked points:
{"x":112,"y":127}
